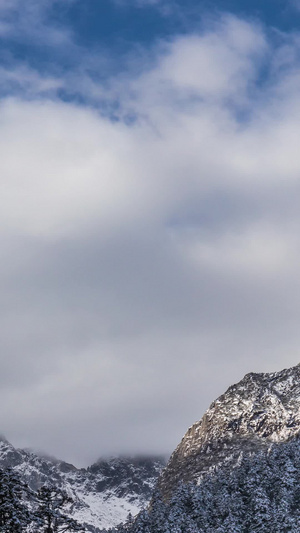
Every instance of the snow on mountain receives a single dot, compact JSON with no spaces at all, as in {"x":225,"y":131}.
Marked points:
{"x":103,"y":494}
{"x":259,"y":410}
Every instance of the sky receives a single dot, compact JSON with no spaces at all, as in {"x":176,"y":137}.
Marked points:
{"x":149,"y":215}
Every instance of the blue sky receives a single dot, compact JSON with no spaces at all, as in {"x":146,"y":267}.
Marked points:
{"x":149,"y":215}
{"x":106,"y":37}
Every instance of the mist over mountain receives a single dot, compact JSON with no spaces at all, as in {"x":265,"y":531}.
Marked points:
{"x":237,"y":470}
{"x":103,"y":494}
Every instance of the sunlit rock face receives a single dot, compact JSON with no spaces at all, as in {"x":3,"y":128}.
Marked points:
{"x":259,"y":410}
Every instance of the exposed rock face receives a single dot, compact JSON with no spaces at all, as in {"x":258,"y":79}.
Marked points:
{"x":103,"y":494}
{"x":251,"y":415}
{"x":132,"y":478}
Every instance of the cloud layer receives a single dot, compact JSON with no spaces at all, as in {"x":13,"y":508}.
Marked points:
{"x":149,"y":237}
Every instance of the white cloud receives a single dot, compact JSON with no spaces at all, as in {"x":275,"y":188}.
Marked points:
{"x":217,"y":64}
{"x":260,"y":253}
{"x":28,"y":22}
{"x":140,"y":3}
{"x":141,"y":258}
{"x":65,"y":172}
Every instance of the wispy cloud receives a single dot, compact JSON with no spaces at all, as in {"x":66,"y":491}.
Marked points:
{"x":140,"y":3}
{"x":29,"y":22}
{"x":294,"y":4}
{"x":25,"y":82}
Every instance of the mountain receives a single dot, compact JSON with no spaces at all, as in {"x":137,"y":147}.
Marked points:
{"x":103,"y":494}
{"x":237,"y":470}
{"x":259,"y":410}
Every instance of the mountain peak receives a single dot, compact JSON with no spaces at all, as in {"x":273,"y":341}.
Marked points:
{"x":263,"y":408}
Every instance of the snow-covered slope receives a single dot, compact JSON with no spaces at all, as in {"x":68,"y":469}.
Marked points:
{"x":103,"y":494}
{"x":259,"y":410}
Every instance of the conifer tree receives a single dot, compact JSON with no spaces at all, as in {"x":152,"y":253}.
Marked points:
{"x":14,"y":511}
{"x":51,"y":515}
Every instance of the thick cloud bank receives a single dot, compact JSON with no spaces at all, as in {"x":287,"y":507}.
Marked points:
{"x":150,"y":256}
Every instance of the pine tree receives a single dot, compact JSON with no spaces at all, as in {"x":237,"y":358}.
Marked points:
{"x":15,"y":514}
{"x":50,"y":513}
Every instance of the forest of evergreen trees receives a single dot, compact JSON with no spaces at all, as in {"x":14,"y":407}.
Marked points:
{"x":25,"y":510}
{"x":261,"y":493}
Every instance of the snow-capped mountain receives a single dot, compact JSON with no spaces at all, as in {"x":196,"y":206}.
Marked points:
{"x":238,"y":469}
{"x":259,"y":410}
{"x":103,"y":494}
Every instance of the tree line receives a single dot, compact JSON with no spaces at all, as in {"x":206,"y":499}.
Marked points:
{"x":261,"y":493}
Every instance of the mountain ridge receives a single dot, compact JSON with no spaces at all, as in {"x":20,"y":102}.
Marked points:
{"x":261,"y":409}
{"x":103,"y":494}
{"x":237,"y":470}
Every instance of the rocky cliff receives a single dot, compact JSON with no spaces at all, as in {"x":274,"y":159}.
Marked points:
{"x":259,"y":410}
